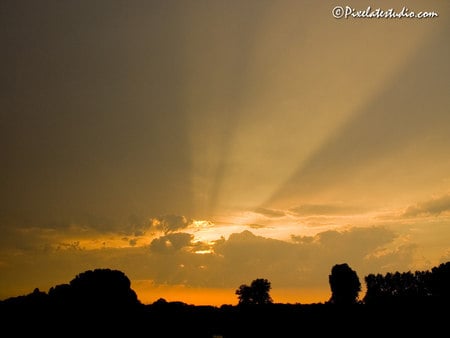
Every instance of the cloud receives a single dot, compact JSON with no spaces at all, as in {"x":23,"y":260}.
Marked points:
{"x":390,"y":259}
{"x":272,"y":213}
{"x":305,"y":261}
{"x":171,"y":242}
{"x":356,"y":242}
{"x":175,"y":259}
{"x":433,"y":207}
{"x":324,"y":209}
{"x":32,"y":240}
{"x":257,"y":226}
{"x":137,"y":225}
{"x":170,"y":223}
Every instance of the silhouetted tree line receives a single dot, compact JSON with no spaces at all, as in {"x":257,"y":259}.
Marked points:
{"x":409,"y":287}
{"x":101,"y":302}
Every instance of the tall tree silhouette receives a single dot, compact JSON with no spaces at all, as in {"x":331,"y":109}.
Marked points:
{"x":256,"y":293}
{"x":345,"y":285}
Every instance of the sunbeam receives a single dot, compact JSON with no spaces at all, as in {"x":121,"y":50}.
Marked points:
{"x":256,"y":121}
{"x":393,"y":123}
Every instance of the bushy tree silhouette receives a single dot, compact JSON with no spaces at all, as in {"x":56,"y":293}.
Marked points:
{"x":256,"y":293}
{"x":345,"y":285}
{"x":103,"y":287}
{"x":99,"y":290}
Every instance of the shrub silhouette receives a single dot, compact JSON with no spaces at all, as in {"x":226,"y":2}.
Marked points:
{"x":256,"y":293}
{"x":345,"y":285}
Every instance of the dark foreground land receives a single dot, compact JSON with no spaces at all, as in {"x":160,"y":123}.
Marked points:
{"x":101,"y":303}
{"x":176,"y":319}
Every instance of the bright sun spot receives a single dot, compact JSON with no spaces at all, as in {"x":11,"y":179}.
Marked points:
{"x":204,"y":252}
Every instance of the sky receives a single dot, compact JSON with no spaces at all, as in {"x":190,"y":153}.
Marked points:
{"x":199,"y":145}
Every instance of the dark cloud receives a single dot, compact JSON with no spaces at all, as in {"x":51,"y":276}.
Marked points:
{"x":95,"y":221}
{"x":171,"y":242}
{"x":69,"y":246}
{"x":257,"y":226}
{"x":132,"y":225}
{"x":137,"y":225}
{"x":433,"y":207}
{"x":170,"y":223}
{"x":24,"y":240}
{"x":356,"y":243}
{"x":90,"y":128}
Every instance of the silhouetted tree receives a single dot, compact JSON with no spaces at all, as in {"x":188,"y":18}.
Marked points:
{"x":345,"y":285}
{"x":256,"y":293}
{"x":105,"y":288}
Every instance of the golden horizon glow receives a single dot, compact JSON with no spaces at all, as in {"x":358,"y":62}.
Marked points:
{"x":149,"y":293}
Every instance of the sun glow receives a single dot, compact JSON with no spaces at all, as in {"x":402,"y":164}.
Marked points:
{"x":148,"y":293}
{"x":204,"y":252}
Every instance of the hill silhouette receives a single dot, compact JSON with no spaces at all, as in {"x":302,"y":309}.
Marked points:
{"x":101,"y":302}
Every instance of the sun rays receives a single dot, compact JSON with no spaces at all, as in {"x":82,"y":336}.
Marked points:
{"x":275,"y":128}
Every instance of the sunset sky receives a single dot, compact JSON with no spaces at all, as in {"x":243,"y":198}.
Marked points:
{"x":198,"y":145}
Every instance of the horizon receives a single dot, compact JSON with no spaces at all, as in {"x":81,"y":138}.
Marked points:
{"x":197,"y":147}
{"x":147,"y":294}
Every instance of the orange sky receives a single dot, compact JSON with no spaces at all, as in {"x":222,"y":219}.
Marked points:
{"x":149,"y":293}
{"x":196,"y":146}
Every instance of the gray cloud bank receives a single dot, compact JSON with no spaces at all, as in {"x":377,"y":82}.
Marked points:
{"x":432,"y":207}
